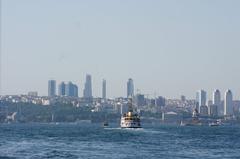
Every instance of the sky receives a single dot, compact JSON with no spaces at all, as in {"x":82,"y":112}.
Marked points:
{"x":168,"y":47}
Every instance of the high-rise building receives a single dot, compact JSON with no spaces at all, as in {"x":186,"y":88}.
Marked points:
{"x":221,"y":110}
{"x":62,"y":89}
{"x":51,"y":88}
{"x":87,"y":92}
{"x":210,"y":102}
{"x":217,"y":100}
{"x":161,"y":101}
{"x":140,"y":100}
{"x":213,"y":110}
{"x":130,"y":88}
{"x":216,"y":97}
{"x":71,"y":90}
{"x":204,"y":110}
{"x":228,"y":103}
{"x":75,"y":90}
{"x":183,"y":98}
{"x":104,"y":89}
{"x":201,"y":99}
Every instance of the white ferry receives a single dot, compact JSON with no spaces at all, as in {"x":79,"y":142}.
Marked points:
{"x":130,"y":119}
{"x":215,"y":123}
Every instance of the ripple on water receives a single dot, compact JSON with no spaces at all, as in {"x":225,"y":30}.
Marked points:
{"x":81,"y":141}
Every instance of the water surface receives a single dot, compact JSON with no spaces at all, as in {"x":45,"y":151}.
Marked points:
{"x":93,"y":141}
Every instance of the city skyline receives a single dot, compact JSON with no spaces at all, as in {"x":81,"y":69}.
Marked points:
{"x":169,"y":48}
{"x":62,"y":88}
{"x":202,"y":98}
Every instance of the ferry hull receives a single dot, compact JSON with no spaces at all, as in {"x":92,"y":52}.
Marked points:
{"x":130,"y":124}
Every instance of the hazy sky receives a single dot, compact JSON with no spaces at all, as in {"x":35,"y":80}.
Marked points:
{"x":170,"y":47}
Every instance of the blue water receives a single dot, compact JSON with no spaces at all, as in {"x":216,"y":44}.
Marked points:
{"x":92,"y":141}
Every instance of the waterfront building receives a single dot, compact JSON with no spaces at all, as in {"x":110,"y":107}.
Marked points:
{"x":124,"y":108}
{"x":62,"y":89}
{"x":228,"y":103}
{"x":104,"y":89}
{"x":51,"y":88}
{"x":130,"y":88}
{"x":118,"y":107}
{"x":204,"y":110}
{"x":213,"y":110}
{"x":87,"y":92}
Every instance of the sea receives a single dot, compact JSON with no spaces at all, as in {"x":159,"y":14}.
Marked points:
{"x":92,"y":141}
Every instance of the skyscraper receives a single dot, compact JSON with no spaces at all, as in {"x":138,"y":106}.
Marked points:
{"x":183,"y":98}
{"x":213,"y":110}
{"x":75,"y":90}
{"x":51,"y":88}
{"x":87,"y":92}
{"x":71,"y":90}
{"x":216,"y":97}
{"x":62,"y":89}
{"x":201,"y":99}
{"x":104,"y":89}
{"x":140,"y":100}
{"x":130,"y":88}
{"x":217,"y":101}
{"x":228,"y":103}
{"x":204,"y":110}
{"x":161,"y":101}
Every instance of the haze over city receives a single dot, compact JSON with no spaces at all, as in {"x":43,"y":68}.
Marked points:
{"x":168,"y":47}
{"x":119,"y":79}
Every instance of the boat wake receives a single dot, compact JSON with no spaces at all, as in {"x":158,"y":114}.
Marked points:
{"x":142,"y":130}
